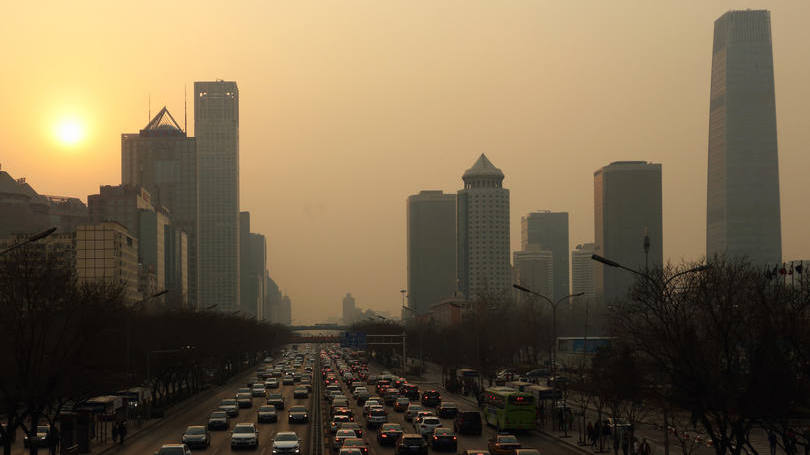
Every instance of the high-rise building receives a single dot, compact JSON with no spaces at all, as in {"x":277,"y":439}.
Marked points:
{"x":247,"y":301}
{"x":216,"y":127}
{"x":550,"y":231}
{"x":431,"y":238}
{"x":483,"y":233}
{"x":107,"y":252}
{"x":285,"y":311}
{"x":582,"y":270}
{"x":272,"y":300}
{"x":627,"y":207}
{"x":534,"y":269}
{"x":349,"y":309}
{"x":162,"y":159}
{"x":742,"y":213}
{"x":257,"y":267}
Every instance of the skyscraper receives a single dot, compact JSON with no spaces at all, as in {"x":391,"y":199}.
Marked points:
{"x":534,"y":269}
{"x":216,"y":127}
{"x":627,"y":207}
{"x":431,"y":238}
{"x":742,"y":210}
{"x":550,"y":231}
{"x":582,"y":270}
{"x":483,"y":233}
{"x":349,"y":309}
{"x":163,"y":159}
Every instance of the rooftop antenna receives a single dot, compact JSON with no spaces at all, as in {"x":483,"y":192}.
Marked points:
{"x":185,"y":109}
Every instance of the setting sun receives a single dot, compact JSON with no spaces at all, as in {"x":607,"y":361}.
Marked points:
{"x":69,"y":132}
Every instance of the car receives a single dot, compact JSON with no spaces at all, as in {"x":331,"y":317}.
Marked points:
{"x":389,"y":433}
{"x":376,"y":417}
{"x":230,"y":407}
{"x":350,"y":451}
{"x":196,"y":436}
{"x":340,"y":436}
{"x":276,"y":400}
{"x":271,"y":383}
{"x":447,"y":410}
{"x":343,"y":411}
{"x":425,"y":425}
{"x":503,"y":444}
{"x":244,"y":400}
{"x":300,"y":392}
{"x":411,"y":391}
{"x":258,"y":391}
{"x":390,"y":396}
{"x":286,"y":442}
{"x":358,"y":430}
{"x":411,"y":443}
{"x":244,"y":435}
{"x":527,"y":452}
{"x":369,"y":404}
{"x":468,"y":422}
{"x":412,"y":411}
{"x":218,"y":420}
{"x":43,"y":432}
{"x":444,"y":439}
{"x":298,"y":414}
{"x":431,"y":398}
{"x":334,"y":424}
{"x":475,"y":452}
{"x":356,"y":443}
{"x":243,"y":390}
{"x":173,"y":449}
{"x":401,"y":404}
{"x":339,"y":404}
{"x":266,"y":413}
{"x":362,"y":396}
{"x":288,"y":380}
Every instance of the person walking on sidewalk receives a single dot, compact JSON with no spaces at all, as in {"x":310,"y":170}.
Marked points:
{"x":115,"y":432}
{"x":589,"y":432}
{"x":625,"y":444}
{"x":645,"y":447}
{"x":122,"y":431}
{"x":772,"y":442}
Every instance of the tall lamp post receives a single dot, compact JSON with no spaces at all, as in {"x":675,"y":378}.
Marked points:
{"x":129,"y":325}
{"x":31,"y":239}
{"x":661,"y":291}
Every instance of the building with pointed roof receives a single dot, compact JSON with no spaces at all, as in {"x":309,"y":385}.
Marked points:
{"x":482,"y":238}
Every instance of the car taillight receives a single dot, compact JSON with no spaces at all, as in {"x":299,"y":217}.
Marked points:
{"x":435,"y":437}
{"x":384,"y":435}
{"x":454,"y":438}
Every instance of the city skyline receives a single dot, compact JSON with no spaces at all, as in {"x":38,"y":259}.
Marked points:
{"x":666,"y":99}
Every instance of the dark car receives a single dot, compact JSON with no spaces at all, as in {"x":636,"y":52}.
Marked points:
{"x":444,"y":439}
{"x":390,"y":396}
{"x":301,"y":392}
{"x":355,"y":443}
{"x":448,"y":410}
{"x":411,"y":391}
{"x":468,"y":422}
{"x":275,"y":399}
{"x":401,"y":404}
{"x":197,"y":437}
{"x":266,"y":414}
{"x":389,"y":433}
{"x":43,"y":432}
{"x":218,"y":420}
{"x":244,"y":400}
{"x":298,"y":414}
{"x":411,"y":443}
{"x":431,"y":398}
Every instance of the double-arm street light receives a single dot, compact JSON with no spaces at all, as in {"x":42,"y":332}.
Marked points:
{"x":31,"y":239}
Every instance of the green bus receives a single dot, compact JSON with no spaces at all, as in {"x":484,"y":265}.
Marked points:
{"x":506,"y":408}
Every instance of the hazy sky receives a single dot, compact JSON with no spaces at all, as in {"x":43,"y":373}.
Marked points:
{"x":347,"y":107}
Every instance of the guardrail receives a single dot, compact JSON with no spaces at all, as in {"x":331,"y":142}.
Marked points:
{"x":316,"y":435}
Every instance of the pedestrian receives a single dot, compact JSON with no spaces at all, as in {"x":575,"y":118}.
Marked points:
{"x":115,"y":432}
{"x":122,"y":431}
{"x":53,"y":439}
{"x":625,"y":444}
{"x":616,"y":444}
{"x":645,"y":447}
{"x":772,"y":442}
{"x":636,"y":447}
{"x":589,"y":431}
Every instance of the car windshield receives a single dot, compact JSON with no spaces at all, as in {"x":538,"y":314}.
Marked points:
{"x":217,"y":415}
{"x":391,"y":427}
{"x":286,"y":437}
{"x":378,"y":412}
{"x":448,"y":404}
{"x":243,"y":429}
{"x":43,"y":429}
{"x":357,"y":442}
{"x":243,"y":390}
{"x":346,"y":434}
{"x":414,"y":407}
{"x":412,"y":441}
{"x":275,"y":396}
{"x":195,"y":430}
{"x":267,"y":409}
{"x":229,"y":402}
{"x":431,"y":421}
{"x":171,"y":451}
{"x":509,"y":439}
{"x":298,"y":409}
{"x":443,"y":432}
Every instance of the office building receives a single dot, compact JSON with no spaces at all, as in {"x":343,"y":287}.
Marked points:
{"x":431,"y":243}
{"x":627,"y":208}
{"x":163,"y":160}
{"x":484,"y":271}
{"x":582,"y":270}
{"x":534,"y":269}
{"x":108,"y":252}
{"x":549,"y":230}
{"x":285,"y":311}
{"x":349,"y":309}
{"x":216,"y":128}
{"x":272,"y":300}
{"x":743,"y":213}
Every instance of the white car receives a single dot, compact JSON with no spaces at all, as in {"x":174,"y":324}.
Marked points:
{"x":258,"y":391}
{"x":425,"y":425}
{"x":286,"y":442}
{"x":245,"y":435}
{"x":358,"y":390}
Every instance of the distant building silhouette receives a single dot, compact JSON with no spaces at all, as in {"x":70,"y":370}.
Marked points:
{"x":534,"y":269}
{"x":549,"y":230}
{"x":431,"y":239}
{"x":216,"y":127}
{"x":285,"y":313}
{"x":483,"y":233}
{"x":582,"y":270}
{"x":252,"y":269}
{"x":349,"y":309}
{"x":163,"y":159}
{"x":743,"y":213}
{"x":627,"y":206}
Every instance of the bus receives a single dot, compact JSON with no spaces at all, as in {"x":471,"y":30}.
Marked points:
{"x":506,"y":408}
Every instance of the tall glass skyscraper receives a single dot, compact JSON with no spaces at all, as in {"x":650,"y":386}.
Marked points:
{"x":216,"y":127}
{"x":742,"y":210}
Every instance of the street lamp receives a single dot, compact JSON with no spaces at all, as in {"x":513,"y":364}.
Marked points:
{"x":129,"y":325}
{"x":31,"y":239}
